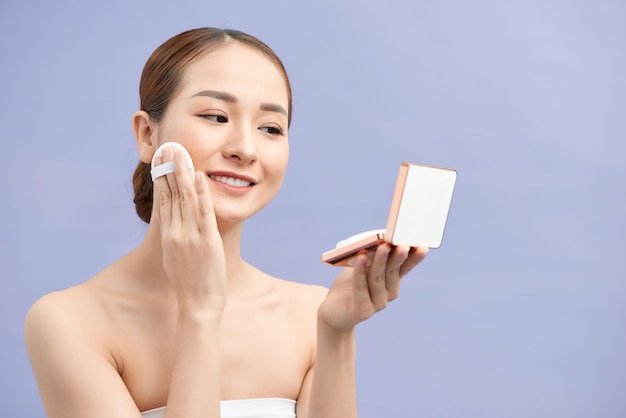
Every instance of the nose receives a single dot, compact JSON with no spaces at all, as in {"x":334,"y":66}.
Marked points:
{"x":240,"y":145}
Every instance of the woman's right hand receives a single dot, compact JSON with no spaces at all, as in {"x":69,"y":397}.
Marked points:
{"x":193,"y":253}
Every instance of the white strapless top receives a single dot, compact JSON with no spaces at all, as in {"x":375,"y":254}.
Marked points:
{"x":246,"y":408}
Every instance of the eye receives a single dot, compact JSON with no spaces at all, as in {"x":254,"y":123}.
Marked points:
{"x":272,"y":130}
{"x":216,"y":118}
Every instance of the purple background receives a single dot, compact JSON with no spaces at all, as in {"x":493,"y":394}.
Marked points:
{"x":520,"y":313}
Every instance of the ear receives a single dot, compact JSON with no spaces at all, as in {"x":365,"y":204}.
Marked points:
{"x":145,"y":135}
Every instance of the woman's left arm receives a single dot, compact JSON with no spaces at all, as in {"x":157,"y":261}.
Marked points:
{"x":329,"y":389}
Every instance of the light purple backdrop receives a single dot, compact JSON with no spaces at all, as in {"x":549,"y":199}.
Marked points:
{"x":520,"y":313}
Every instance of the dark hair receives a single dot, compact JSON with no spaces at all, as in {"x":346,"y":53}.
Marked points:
{"x":161,"y":76}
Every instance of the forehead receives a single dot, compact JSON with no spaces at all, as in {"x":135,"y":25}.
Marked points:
{"x":238,"y":69}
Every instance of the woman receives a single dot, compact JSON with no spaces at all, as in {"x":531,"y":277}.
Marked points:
{"x":183,"y":322}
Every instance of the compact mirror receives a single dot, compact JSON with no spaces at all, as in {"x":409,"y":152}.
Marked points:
{"x":417,"y":217}
{"x":420,"y":205}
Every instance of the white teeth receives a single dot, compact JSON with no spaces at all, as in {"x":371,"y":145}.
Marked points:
{"x":231,"y":181}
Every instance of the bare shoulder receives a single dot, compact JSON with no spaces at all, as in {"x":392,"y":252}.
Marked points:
{"x":62,"y":303}
{"x":58,"y":315}
{"x":307,"y":296}
{"x":69,"y":319}
{"x":64,"y":340}
{"x":49,"y":322}
{"x":48,"y":310}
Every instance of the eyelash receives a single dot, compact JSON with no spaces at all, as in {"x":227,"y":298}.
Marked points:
{"x":223,"y":118}
{"x":272,"y":130}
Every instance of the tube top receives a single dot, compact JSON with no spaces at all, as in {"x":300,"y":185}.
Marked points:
{"x":246,"y":408}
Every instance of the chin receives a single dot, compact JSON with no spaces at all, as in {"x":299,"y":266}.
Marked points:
{"x":233,"y":214}
{"x":237,"y":209}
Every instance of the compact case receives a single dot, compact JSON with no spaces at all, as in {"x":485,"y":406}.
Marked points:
{"x":417,"y":217}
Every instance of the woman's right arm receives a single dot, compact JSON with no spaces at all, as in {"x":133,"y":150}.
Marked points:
{"x":76,"y":378}
{"x":194,"y":262}
{"x":79,"y":378}
{"x":76,"y":374}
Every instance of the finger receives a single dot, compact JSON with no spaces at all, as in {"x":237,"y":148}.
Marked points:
{"x":176,"y":215}
{"x":360,"y":273}
{"x":360,"y":289}
{"x":397,"y":257}
{"x":376,"y":277}
{"x":162,"y":192}
{"x":206,"y":214}
{"x":416,"y":255}
{"x":187,"y":193}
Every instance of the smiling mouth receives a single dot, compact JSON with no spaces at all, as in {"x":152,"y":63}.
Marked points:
{"x":231,"y":181}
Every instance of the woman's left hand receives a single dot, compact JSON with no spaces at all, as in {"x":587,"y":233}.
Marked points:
{"x":360,"y":291}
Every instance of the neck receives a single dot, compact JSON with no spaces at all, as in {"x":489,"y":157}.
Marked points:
{"x":149,"y":257}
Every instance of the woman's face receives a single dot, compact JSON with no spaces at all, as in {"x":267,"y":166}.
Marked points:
{"x":230,"y":113}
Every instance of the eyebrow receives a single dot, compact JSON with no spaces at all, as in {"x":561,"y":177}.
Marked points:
{"x":227,"y":97}
{"x":273,"y":108}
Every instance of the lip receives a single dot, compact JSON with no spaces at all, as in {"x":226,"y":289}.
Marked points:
{"x":237,"y":190}
{"x":233,"y":175}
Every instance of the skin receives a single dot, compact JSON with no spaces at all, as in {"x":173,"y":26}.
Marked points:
{"x":183,"y":320}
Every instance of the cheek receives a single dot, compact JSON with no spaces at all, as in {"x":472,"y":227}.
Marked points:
{"x":170,"y":131}
{"x":179,"y":126}
{"x":189,"y":135}
{"x":278,"y":160}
